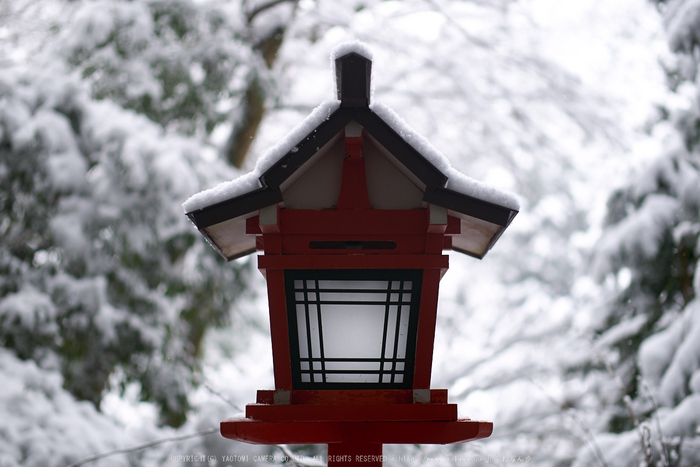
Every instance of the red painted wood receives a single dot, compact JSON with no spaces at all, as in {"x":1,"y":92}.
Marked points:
{"x":396,"y":432}
{"x":426,"y":329}
{"x":353,"y":146}
{"x":265,"y":396}
{"x":272,"y":243}
{"x":364,"y":412}
{"x":405,"y":244}
{"x":374,"y":221}
{"x":434,"y":243}
{"x":353,"y":262}
{"x":252,"y":226}
{"x":454,"y":226}
{"x":281,"y":360}
{"x":377,"y":221}
{"x":351,"y":396}
{"x":353,"y":184}
{"x":446,"y":243}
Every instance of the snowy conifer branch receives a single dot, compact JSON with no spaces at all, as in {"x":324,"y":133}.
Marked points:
{"x":144,"y":446}
{"x":655,"y":414}
{"x":627,"y":401}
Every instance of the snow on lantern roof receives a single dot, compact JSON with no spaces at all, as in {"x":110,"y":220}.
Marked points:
{"x":425,"y":173}
{"x":347,"y":48}
{"x":250,"y":182}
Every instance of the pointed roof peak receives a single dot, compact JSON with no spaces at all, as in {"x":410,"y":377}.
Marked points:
{"x":353,"y":73}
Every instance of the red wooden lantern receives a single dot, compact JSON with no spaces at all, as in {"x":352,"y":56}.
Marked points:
{"x":352,"y":218}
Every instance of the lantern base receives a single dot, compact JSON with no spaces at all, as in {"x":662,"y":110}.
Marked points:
{"x":342,"y":432}
{"x":354,"y":424}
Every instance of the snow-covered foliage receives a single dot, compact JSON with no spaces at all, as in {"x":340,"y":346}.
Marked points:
{"x":99,"y":269}
{"x":648,"y":257}
{"x":180,"y":63}
{"x":43,"y":425}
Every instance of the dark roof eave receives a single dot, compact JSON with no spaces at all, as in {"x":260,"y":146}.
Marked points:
{"x":468,"y":205}
{"x":413,"y":160}
{"x":235,"y":207}
{"x":292,"y":161}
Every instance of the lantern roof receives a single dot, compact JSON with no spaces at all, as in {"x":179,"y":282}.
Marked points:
{"x":302,"y":171}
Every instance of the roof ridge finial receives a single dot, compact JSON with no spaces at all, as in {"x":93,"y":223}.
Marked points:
{"x":353,"y":73}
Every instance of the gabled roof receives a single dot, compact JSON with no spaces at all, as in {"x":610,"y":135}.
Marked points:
{"x":483,"y":210}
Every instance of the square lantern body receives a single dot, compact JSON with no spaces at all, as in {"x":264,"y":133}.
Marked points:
{"x":352,"y":307}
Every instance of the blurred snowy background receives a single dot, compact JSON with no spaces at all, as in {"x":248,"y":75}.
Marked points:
{"x":126,"y":340}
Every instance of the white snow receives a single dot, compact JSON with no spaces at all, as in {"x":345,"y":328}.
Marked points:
{"x":694,"y":383}
{"x":656,"y":352}
{"x":30,"y":307}
{"x":355,"y":46}
{"x":67,"y":170}
{"x":50,"y":127}
{"x":223,"y":191}
{"x":686,"y":358}
{"x":682,"y":24}
{"x":619,"y":450}
{"x":43,"y":425}
{"x":637,"y":234}
{"x":294,"y":137}
{"x":68,"y":226}
{"x":621,"y":331}
{"x":419,"y":142}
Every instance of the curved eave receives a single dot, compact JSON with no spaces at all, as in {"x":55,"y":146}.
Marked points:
{"x":235,"y":207}
{"x":224,"y":224}
{"x":482,"y":222}
{"x":471,"y":206}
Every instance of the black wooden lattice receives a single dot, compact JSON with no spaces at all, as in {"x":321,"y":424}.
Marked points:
{"x":352,"y":328}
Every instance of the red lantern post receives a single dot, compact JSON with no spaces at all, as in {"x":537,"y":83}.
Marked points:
{"x":352,"y":221}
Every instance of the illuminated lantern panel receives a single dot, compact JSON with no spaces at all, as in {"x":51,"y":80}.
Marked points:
{"x":352,"y":329}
